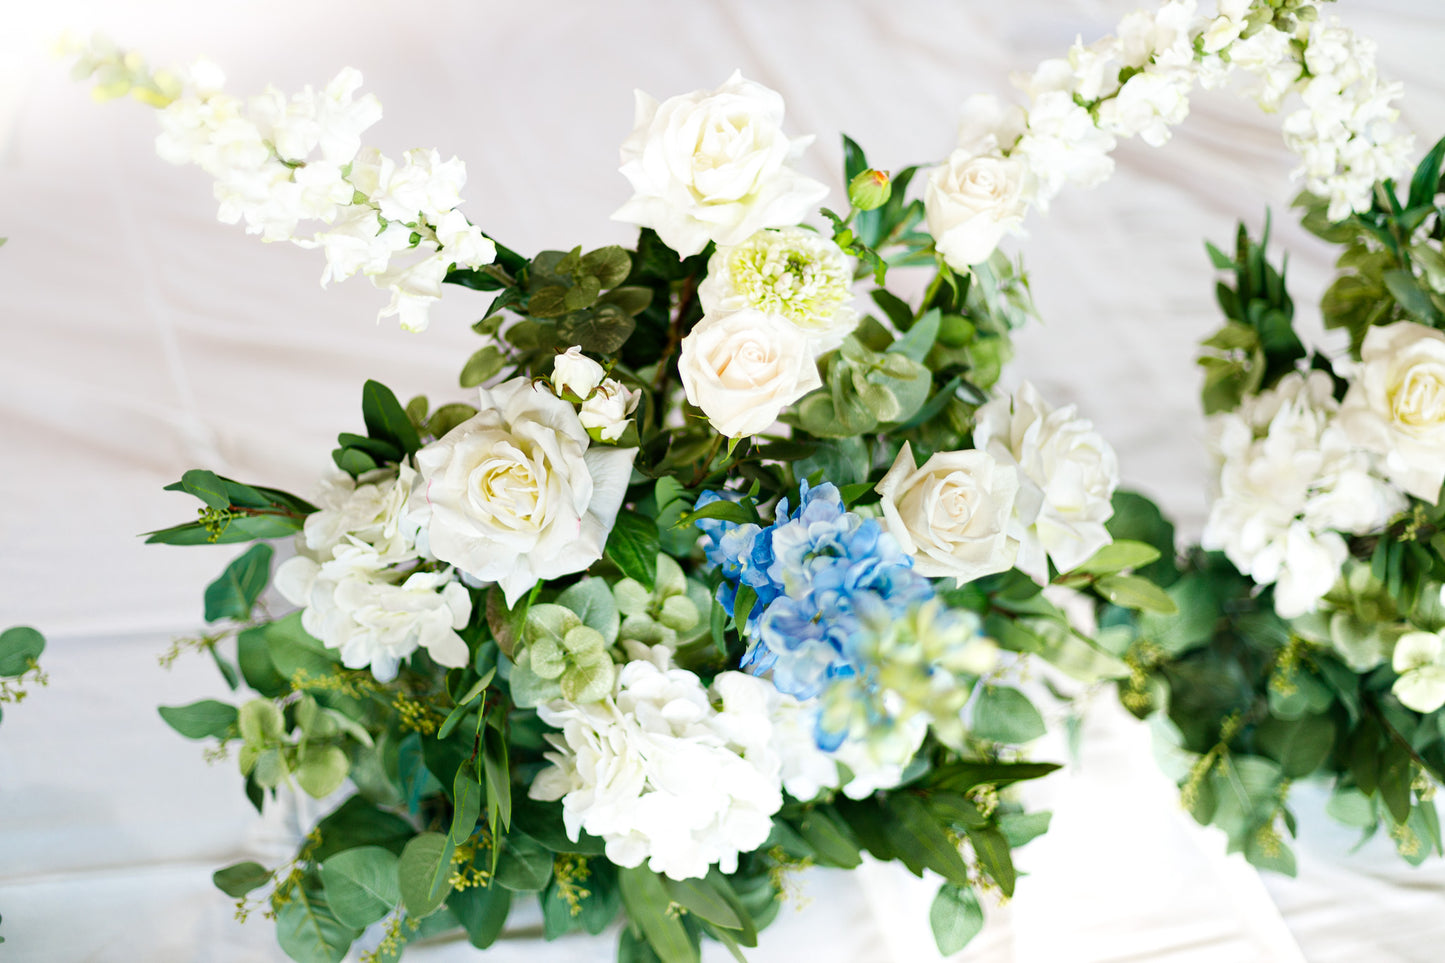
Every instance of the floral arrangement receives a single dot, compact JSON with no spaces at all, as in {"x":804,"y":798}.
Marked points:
{"x":721,"y":569}
{"x":1311,"y":639}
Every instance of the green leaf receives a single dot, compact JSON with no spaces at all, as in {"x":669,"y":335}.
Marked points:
{"x":703,"y":901}
{"x":424,"y":872}
{"x":361,"y":884}
{"x":633,"y":546}
{"x":525,"y":865}
{"x":962,"y":776}
{"x":19,"y":647}
{"x":1117,"y":556}
{"x":919,"y":340}
{"x":603,"y":329}
{"x":956,"y":918}
{"x":646,"y":899}
{"x":1136,"y":592}
{"x":1405,"y":288}
{"x":320,"y":771}
{"x":1022,"y":828}
{"x":920,"y":841}
{"x":447,"y":417}
{"x":201,"y":720}
{"x":1300,"y":746}
{"x":1006,"y":715}
{"x":1218,"y":258}
{"x":829,"y":838}
{"x":482,"y":911}
{"x":238,"y":879}
{"x":358,"y":822}
{"x":497,"y":771}
{"x":207,"y":486}
{"x":592,"y":600}
{"x":386,"y":419}
{"x":482,"y":365}
{"x":1426,"y":181}
{"x":234,"y":594}
{"x":309,"y":931}
{"x":466,"y":804}
{"x":992,"y":849}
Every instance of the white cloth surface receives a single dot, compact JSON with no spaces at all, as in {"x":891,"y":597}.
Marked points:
{"x":139,"y":337}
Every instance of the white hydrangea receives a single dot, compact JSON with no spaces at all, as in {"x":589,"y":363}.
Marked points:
{"x":356,"y":576}
{"x":653,"y":771}
{"x":797,"y":275}
{"x":1067,"y":474}
{"x":1290,"y":481}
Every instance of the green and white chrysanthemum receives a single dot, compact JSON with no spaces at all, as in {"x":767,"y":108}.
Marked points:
{"x":791,"y":273}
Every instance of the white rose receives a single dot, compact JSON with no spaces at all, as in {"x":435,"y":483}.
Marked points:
{"x":1420,"y":660}
{"x":607,"y":410}
{"x":1396,"y":405}
{"x":514,"y":495}
{"x":577,"y":373}
{"x":714,"y":166}
{"x":1067,"y":477}
{"x":971,"y":203}
{"x":742,"y":369}
{"x":952,"y":514}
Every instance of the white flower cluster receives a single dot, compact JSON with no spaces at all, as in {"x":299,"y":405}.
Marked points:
{"x":1291,"y":480}
{"x":1066,"y":475}
{"x":1137,"y":84}
{"x":359,"y":580}
{"x":281,"y":164}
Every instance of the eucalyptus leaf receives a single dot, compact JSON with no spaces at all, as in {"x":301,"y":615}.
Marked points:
{"x":956,"y":918}
{"x":234,"y":594}
{"x":20,"y":646}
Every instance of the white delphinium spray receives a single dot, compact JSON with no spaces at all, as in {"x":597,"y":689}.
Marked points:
{"x":1290,"y":482}
{"x":359,"y":579}
{"x":281,"y":164}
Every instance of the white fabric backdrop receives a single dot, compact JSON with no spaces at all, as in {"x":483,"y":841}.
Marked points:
{"x":139,"y":338}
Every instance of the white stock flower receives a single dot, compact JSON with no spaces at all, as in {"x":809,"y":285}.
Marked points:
{"x":952,"y":514}
{"x":1067,"y":476}
{"x":714,"y":166}
{"x":514,"y":494}
{"x":464,"y":242}
{"x":988,"y":126}
{"x":1063,"y":146}
{"x":971,"y":202}
{"x":794,"y":274}
{"x":1420,"y":660}
{"x":1396,"y":405}
{"x":1290,"y":480}
{"x":608,"y":409}
{"x":742,"y":369}
{"x":414,"y":289}
{"x":1147,"y":105}
{"x":657,"y":773}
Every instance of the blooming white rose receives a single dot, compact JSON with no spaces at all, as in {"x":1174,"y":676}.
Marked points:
{"x":714,"y":166}
{"x":1420,"y":660}
{"x":515,"y":495}
{"x":1396,"y":405}
{"x":971,"y":202}
{"x":952,"y":515}
{"x":607,"y":410}
{"x":1067,"y":477}
{"x":576,"y":372}
{"x":795,"y":274}
{"x":655,"y":772}
{"x":742,"y":369}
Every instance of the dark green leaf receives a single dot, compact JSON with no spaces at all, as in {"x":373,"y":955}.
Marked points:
{"x":525,"y":865}
{"x":647,"y":900}
{"x":234,"y":594}
{"x":1406,"y":289}
{"x":423,"y":873}
{"x":466,"y":804}
{"x":386,"y":419}
{"x":206,"y":486}
{"x":962,"y":776}
{"x":1426,"y":182}
{"x":200,"y":720}
{"x":239,"y":879}
{"x":361,"y":884}
{"x":482,"y":911}
{"x":19,"y":647}
{"x":358,"y":822}
{"x":633,"y":546}
{"x":697,"y":897}
{"x":829,"y":838}
{"x":920,"y":841}
{"x":992,"y":849}
{"x":1300,"y":746}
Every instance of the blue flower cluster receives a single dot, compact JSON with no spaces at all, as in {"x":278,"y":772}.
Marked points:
{"x":822,"y":574}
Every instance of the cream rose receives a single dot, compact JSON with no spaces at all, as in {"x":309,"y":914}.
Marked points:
{"x":953,"y":513}
{"x":1396,"y":405}
{"x":742,"y":369}
{"x":515,"y":495}
{"x":1067,"y":477}
{"x":714,"y":166}
{"x":971,"y":203}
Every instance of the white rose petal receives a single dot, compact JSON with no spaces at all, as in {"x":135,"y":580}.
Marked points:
{"x":608,"y":409}
{"x":714,"y":166}
{"x":971,"y":203}
{"x":576,"y":372}
{"x":742,"y":369}
{"x":952,"y":514}
{"x":514,"y":495}
{"x":1396,"y":405}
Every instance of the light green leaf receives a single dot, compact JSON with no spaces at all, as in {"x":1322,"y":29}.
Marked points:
{"x":1134,"y":592}
{"x":646,"y":898}
{"x":19,"y":646}
{"x":260,"y":722}
{"x":320,"y":771}
{"x":592,"y":600}
{"x":481,"y":366}
{"x":1117,"y":556}
{"x":361,"y":884}
{"x":239,"y":879}
{"x":1006,"y":715}
{"x":309,"y":931}
{"x":201,"y":720}
{"x":956,"y":918}
{"x":424,"y":873}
